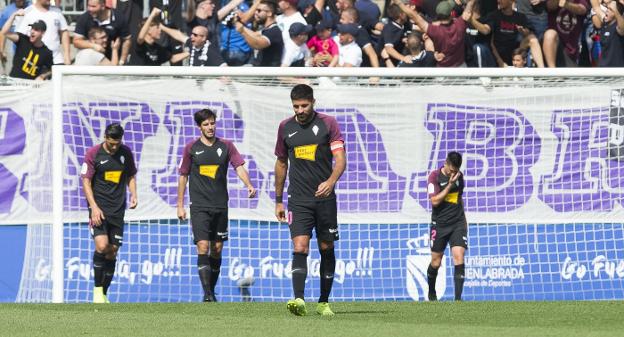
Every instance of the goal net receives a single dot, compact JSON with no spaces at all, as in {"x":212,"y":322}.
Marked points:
{"x":543,"y":165}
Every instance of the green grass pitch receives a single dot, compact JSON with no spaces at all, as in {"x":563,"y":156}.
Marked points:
{"x":500,"y":319}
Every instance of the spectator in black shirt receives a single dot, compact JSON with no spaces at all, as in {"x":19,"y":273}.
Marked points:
{"x":268,"y":41}
{"x":146,"y":51}
{"x":32,"y":59}
{"x":113,"y":23}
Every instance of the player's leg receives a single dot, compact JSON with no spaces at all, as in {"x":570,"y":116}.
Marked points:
{"x":327,"y":233}
{"x":200,"y":220}
{"x":218,"y":235}
{"x":301,"y":222}
{"x":459,"y":244}
{"x":438,"y":243}
{"x":115,"y":238}
{"x":99,"y":263}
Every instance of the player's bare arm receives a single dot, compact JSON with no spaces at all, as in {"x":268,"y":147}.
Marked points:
{"x":244,"y":177}
{"x":438,"y":198}
{"x":281,"y":167}
{"x":181,"y":190}
{"x":326,"y":187}
{"x":134,"y":201}
{"x":96,"y":213}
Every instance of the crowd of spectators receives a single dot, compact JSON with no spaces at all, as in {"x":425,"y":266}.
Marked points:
{"x":315,"y":33}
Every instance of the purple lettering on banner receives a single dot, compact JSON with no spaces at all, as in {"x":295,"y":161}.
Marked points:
{"x":12,"y":142}
{"x":8,"y":186}
{"x":499,"y":147}
{"x":12,"y":132}
{"x":368,"y":183}
{"x":84,"y":127}
{"x":181,"y":125}
{"x":583,"y":178}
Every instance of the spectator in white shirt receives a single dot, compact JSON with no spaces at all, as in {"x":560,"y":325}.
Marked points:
{"x":296,"y":52}
{"x":349,"y":53}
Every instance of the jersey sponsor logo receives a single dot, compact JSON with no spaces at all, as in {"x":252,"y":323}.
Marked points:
{"x":113,"y":176}
{"x":102,"y":162}
{"x":306,"y":152}
{"x":209,"y":171}
{"x":452,"y":197}
{"x":84,"y":168}
{"x":292,"y":134}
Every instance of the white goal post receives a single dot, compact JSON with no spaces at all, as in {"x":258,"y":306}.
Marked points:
{"x":538,"y":145}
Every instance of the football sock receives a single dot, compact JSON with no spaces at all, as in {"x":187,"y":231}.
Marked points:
{"x":432,"y":275}
{"x":328,"y":266}
{"x":109,"y":272}
{"x":203,"y":269}
{"x":458,"y":276}
{"x":299,"y":273}
{"x":215,"y":270}
{"x":99,"y":263}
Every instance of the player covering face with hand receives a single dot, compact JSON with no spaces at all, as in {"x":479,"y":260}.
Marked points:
{"x":204,"y":166}
{"x":445,"y":187}
{"x":107,"y":169}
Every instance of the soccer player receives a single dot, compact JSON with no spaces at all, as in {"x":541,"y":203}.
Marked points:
{"x":309,"y":141}
{"x":107,"y":169}
{"x":205,"y":162}
{"x":445,"y":187}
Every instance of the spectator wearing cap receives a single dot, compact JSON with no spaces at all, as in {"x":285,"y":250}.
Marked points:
{"x":566,"y":20}
{"x":296,"y":52}
{"x":362,"y":39}
{"x":369,"y":14}
{"x":323,"y":48}
{"x":268,"y":41}
{"x":32,"y":59}
{"x":349,"y":54}
{"x":56,"y":35}
{"x":446,"y":32}
{"x":510,"y":30}
{"x":114,"y":25}
{"x":393,"y":33}
{"x":289,"y":15}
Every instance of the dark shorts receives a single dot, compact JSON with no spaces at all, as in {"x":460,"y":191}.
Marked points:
{"x":442,"y":235}
{"x":209,"y":224}
{"x":321,"y":215}
{"x":112,"y":226}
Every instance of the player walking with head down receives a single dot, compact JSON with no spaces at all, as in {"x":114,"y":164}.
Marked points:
{"x":205,"y":162}
{"x":309,"y":141}
{"x":107,"y":169}
{"x":445,"y":187}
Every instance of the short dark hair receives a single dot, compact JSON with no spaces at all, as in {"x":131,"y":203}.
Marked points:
{"x":519,"y":51}
{"x":454,"y":158}
{"x":353,"y":13}
{"x":272,"y":5}
{"x":394,"y":12}
{"x":302,"y":91}
{"x":203,"y":114}
{"x":95,"y":30}
{"x":114,"y":131}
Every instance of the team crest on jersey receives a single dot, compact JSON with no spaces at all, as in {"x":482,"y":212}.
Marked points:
{"x":219,"y":152}
{"x":315,"y":129}
{"x":122,"y":159}
{"x":306,"y":152}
